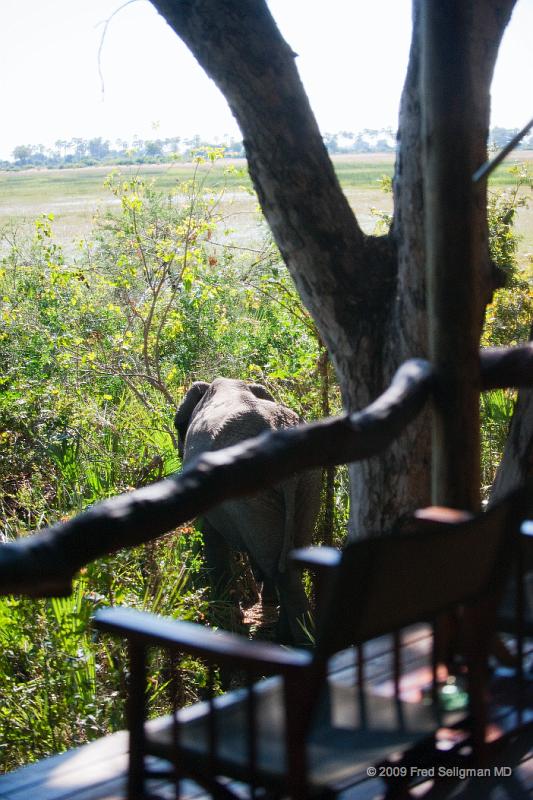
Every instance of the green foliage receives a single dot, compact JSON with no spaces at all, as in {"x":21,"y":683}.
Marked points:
{"x":62,"y":687}
{"x":508,"y":318}
{"x":47,"y":673}
{"x":496,"y":413}
{"x":96,"y":348}
{"x":502,"y":210}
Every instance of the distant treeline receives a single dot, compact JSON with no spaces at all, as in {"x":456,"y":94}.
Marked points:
{"x":80,"y":152}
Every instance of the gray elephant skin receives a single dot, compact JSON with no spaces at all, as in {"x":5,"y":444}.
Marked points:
{"x":267,"y":525}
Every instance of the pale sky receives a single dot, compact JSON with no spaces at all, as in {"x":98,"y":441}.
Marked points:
{"x":352,"y":59}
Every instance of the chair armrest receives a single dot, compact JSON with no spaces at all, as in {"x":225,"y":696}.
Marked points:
{"x":221,"y":647}
{"x":527,"y":527}
{"x":318,"y":559}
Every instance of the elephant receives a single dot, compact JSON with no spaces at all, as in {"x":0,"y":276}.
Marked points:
{"x":266,"y":525}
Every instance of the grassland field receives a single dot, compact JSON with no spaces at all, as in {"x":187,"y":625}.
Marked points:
{"x":74,"y":195}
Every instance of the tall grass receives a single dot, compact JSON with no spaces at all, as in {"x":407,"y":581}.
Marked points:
{"x":496,"y":413}
{"x":60,"y":685}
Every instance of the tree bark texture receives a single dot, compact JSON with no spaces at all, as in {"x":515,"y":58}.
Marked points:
{"x":366,"y":294}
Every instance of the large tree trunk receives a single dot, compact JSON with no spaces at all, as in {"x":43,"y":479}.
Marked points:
{"x":366,"y":294}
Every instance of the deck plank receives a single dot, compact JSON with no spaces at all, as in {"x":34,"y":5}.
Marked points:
{"x":89,"y":770}
{"x":95,"y":771}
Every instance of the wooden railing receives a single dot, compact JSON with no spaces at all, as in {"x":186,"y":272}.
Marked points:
{"x":43,"y":564}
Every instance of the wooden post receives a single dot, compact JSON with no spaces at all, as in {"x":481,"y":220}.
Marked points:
{"x":455,"y":246}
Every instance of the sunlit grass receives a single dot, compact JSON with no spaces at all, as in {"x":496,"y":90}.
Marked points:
{"x":73,"y":195}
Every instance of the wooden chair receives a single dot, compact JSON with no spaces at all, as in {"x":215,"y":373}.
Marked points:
{"x":293,"y":730}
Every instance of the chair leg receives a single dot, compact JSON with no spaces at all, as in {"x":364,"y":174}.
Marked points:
{"x":477,"y":638}
{"x":136,"y":714}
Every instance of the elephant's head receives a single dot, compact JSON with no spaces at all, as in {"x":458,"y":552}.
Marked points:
{"x":185,"y":409}
{"x":194,"y":396}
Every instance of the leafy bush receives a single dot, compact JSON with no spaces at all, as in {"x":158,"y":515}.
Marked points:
{"x":96,"y":348}
{"x":509,"y":317}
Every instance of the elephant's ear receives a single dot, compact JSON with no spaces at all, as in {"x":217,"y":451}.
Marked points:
{"x":185,"y":410}
{"x":260,"y":391}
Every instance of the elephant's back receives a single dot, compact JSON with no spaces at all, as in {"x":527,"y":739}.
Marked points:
{"x":223,"y":422}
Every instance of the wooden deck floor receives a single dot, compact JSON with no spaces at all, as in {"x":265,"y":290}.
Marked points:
{"x":97,"y":771}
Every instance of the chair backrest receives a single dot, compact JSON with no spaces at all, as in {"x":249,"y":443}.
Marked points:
{"x":386,"y":583}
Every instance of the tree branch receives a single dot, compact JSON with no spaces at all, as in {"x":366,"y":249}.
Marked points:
{"x":241,"y":49}
{"x":503,"y":367}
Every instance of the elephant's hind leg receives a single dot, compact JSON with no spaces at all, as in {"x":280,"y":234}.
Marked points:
{"x":267,"y":586}
{"x":294,"y":613}
{"x":219,"y":563}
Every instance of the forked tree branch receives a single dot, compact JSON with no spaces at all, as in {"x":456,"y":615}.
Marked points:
{"x":240,"y":47}
{"x":44,"y":564}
